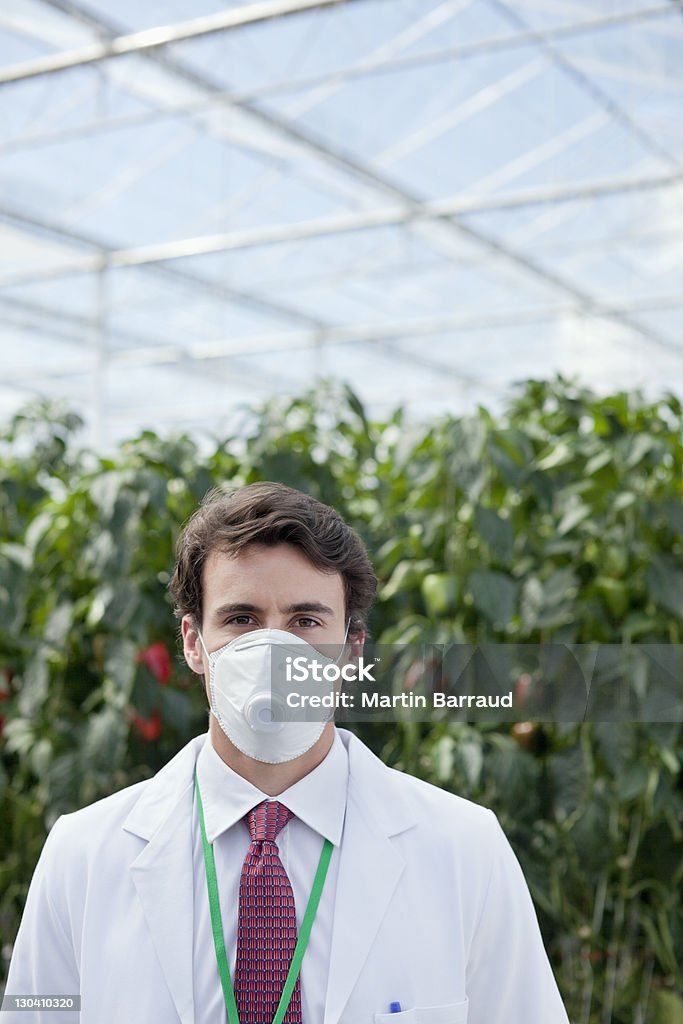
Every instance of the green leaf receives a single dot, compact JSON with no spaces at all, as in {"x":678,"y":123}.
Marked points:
{"x":443,"y":756}
{"x":665,"y":583}
{"x":549,"y":604}
{"x":637,"y":625}
{"x":18,"y":554}
{"x":599,"y":461}
{"x":59,"y":623}
{"x":355,"y":405}
{"x":575,"y":514}
{"x":471,"y":756}
{"x":569,"y":778}
{"x":494,"y":595}
{"x":560,"y":587}
{"x":101,"y":600}
{"x":496,"y":531}
{"x":41,"y":755}
{"x":123,"y":606}
{"x":639,"y":447}
{"x":667,"y":1007}
{"x":531,"y":602}
{"x":37,"y":529}
{"x":618,"y":744}
{"x":120,"y":664}
{"x":615,"y":594}
{"x":176,"y":709}
{"x":559,"y":455}
{"x":104,"y":740}
{"x":104,"y":491}
{"x":147,"y":692}
{"x":34,"y":688}
{"x":390,"y":554}
{"x":465,"y":464}
{"x":672,"y":510}
{"x":407,"y":576}
{"x":594,"y":848}
{"x":633,"y":781}
{"x":515,"y":773}
{"x":440,"y":592}
{"x":64,"y":776}
{"x":19,"y":736}
{"x":624,"y":500}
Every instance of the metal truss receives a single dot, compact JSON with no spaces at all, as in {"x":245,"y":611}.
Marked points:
{"x":589,"y":86}
{"x":369,"y":178}
{"x":365,"y":68}
{"x":325,"y":227}
{"x":101,"y":260}
{"x":452,"y":229}
{"x":151,"y":39}
{"x":141,"y":42}
{"x":388,"y":331}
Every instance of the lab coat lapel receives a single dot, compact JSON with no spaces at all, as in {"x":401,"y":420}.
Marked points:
{"x":163,"y":872}
{"x":369,"y":870}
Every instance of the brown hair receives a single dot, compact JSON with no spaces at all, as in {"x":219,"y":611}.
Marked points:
{"x":272,"y":513}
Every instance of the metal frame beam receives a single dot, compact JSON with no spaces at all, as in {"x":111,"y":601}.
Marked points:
{"x":379,"y":335}
{"x":323,"y":227}
{"x":79,"y":328}
{"x":369,"y":178}
{"x":339,"y":160}
{"x":462,"y":51}
{"x":151,"y":39}
{"x":591,"y":88}
{"x":221,"y":291}
{"x":377,"y":66}
{"x":375,"y":333}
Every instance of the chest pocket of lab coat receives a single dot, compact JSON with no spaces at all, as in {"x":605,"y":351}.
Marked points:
{"x":453,"y":1013}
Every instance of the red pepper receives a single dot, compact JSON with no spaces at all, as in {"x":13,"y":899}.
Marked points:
{"x":149,"y":728}
{"x":158,"y":661}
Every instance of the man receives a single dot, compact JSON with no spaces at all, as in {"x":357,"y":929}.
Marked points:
{"x":262,"y":845}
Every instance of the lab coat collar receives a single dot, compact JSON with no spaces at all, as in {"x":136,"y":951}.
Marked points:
{"x":319,"y":799}
{"x":383,"y":801}
{"x":163,"y":793}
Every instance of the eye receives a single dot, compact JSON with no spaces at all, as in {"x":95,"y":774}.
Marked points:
{"x":306,"y":622}
{"x":238,"y":620}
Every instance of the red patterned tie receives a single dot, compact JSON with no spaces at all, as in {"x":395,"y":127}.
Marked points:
{"x":266,"y":927}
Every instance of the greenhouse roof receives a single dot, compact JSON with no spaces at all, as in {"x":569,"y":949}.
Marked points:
{"x":203,"y":203}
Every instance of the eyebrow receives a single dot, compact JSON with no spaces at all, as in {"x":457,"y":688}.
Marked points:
{"x":301,"y":606}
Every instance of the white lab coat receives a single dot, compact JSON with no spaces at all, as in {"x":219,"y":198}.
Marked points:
{"x":432,"y":910}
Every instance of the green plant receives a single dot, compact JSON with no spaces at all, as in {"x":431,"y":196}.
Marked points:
{"x":558,"y":521}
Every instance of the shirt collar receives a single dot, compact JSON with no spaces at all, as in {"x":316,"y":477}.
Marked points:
{"x":319,"y":799}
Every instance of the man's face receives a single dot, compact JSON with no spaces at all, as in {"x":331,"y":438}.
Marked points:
{"x":266,"y":588}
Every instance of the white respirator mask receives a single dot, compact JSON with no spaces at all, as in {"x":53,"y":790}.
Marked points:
{"x":250,"y":710}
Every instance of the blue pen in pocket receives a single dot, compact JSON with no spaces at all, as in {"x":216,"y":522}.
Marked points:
{"x":394,"y":1007}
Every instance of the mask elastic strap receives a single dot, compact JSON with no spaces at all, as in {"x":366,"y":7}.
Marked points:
{"x":348,"y":623}
{"x":201,"y":640}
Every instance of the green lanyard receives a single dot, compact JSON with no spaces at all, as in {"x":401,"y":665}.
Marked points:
{"x":217,"y":926}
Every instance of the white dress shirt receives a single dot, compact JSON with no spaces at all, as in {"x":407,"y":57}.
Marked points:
{"x":318,"y":802}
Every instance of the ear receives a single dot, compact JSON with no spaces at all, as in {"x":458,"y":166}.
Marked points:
{"x":192,"y":647}
{"x":355,"y":642}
